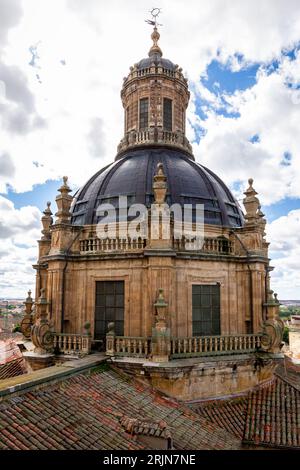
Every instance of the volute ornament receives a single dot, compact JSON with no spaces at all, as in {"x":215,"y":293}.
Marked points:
{"x":271,"y":340}
{"x":41,"y":334}
{"x":27,"y":322}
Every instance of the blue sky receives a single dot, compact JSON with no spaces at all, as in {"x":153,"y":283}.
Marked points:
{"x":62,"y":114}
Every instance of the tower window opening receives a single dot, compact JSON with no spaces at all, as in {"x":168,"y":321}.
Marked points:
{"x":144,"y":105}
{"x":167,"y":114}
{"x":127,"y":118}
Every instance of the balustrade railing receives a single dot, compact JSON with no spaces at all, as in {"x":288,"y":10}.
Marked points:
{"x":111,"y":244}
{"x":185,"y":347}
{"x":214,"y":345}
{"x":159,"y":136}
{"x":66,"y":343}
{"x":154,"y":70}
{"x":130,"y":346}
{"x":210,"y":245}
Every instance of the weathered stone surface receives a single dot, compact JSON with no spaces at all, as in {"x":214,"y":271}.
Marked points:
{"x":202,"y":378}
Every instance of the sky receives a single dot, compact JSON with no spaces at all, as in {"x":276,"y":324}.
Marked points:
{"x":62,"y":64}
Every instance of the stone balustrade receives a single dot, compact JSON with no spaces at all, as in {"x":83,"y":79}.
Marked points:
{"x":154,"y":70}
{"x":154,"y":136}
{"x":211,"y":245}
{"x":130,"y":346}
{"x":186,"y":347}
{"x":66,"y":343}
{"x":95,"y":244}
{"x":214,"y":345}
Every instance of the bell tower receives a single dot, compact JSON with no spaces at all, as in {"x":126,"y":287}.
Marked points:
{"x":155,"y":97}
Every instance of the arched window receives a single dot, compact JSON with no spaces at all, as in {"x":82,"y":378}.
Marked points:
{"x":144,"y":105}
{"x":167,"y":114}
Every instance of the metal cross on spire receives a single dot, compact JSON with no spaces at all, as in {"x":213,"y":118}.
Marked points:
{"x":155,"y":12}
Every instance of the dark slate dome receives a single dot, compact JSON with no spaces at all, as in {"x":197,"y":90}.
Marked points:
{"x":132,"y":176}
{"x":157,"y":61}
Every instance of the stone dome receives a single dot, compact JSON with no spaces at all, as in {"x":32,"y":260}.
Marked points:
{"x":132,"y":176}
{"x":157,"y":61}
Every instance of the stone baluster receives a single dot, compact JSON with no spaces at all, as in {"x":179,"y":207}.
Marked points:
{"x":110,"y":340}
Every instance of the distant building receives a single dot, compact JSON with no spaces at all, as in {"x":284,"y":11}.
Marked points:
{"x":294,"y":337}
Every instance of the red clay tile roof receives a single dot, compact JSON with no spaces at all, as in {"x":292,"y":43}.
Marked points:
{"x":11,"y":360}
{"x":290,"y":372}
{"x":273,"y":416}
{"x":227,"y":414}
{"x":267,"y":416}
{"x":84,"y":412}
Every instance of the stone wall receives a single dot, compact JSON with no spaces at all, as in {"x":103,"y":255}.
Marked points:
{"x":197,"y":379}
{"x":143,"y":276}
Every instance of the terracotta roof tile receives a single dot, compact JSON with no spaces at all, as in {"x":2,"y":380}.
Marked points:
{"x":273,"y":416}
{"x":85,"y":412}
{"x":227,"y":414}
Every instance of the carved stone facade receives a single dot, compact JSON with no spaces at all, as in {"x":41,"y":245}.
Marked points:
{"x":158,"y":275}
{"x":155,"y":80}
{"x":27,"y":321}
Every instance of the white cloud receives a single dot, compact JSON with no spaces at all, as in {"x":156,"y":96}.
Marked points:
{"x":11,"y":13}
{"x":98,"y":42}
{"x":284,"y":235}
{"x":19,"y":231}
{"x":65,"y":112}
{"x":267,"y":110}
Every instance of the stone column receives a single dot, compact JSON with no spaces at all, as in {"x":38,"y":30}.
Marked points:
{"x":110,"y":340}
{"x":160,"y":230}
{"x":161,"y":343}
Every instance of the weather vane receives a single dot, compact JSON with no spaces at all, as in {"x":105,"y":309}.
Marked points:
{"x":154,"y":13}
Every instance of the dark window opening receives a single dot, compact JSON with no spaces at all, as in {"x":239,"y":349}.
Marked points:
{"x":144,"y":105}
{"x":167,"y":114}
{"x":109,"y":307}
{"x":206,"y":310}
